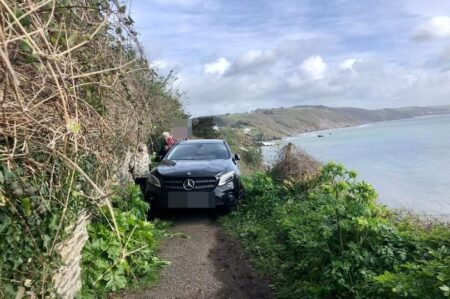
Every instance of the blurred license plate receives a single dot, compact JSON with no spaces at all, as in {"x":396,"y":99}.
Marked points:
{"x":191,"y":200}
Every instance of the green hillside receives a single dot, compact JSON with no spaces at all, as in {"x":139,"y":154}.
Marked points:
{"x":269,"y":124}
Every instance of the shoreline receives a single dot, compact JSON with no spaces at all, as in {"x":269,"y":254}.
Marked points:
{"x":274,"y":142}
{"x":394,"y":202}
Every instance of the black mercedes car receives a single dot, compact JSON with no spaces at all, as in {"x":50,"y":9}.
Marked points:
{"x":200,"y":173}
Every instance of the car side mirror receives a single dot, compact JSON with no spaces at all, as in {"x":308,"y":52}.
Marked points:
{"x":237,"y":157}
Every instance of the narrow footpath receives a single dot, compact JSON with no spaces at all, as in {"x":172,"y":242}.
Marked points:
{"x":206,"y":263}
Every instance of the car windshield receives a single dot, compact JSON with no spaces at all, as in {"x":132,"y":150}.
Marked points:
{"x":199,"y":151}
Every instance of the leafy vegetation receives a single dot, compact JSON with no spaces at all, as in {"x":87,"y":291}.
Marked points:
{"x":108,"y":267}
{"x":32,"y":226}
{"x":78,"y":94}
{"x":252,"y":158}
{"x":248,"y":150}
{"x":333,"y":240}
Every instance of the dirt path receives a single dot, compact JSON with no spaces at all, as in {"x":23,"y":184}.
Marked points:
{"x":207,"y":264}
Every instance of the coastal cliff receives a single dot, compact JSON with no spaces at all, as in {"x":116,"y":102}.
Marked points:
{"x":269,"y":124}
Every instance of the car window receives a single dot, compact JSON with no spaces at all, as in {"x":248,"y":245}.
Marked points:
{"x":198,"y":151}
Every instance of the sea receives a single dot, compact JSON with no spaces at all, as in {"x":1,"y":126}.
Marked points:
{"x":407,"y":161}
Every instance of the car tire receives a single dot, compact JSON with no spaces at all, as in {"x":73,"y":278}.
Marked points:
{"x":155,"y":212}
{"x":226,"y":209}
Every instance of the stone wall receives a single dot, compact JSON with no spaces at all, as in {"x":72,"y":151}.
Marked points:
{"x":68,"y":279}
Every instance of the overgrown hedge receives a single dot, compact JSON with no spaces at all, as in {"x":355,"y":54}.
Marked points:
{"x":77,"y":95}
{"x":335,"y":241}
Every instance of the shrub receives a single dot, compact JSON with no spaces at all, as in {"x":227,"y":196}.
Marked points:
{"x":108,"y":266}
{"x":295,"y":164}
{"x":334,"y":241}
{"x":252,"y":158}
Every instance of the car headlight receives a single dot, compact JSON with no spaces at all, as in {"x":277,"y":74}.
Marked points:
{"x":154,"y":180}
{"x":226,"y":178}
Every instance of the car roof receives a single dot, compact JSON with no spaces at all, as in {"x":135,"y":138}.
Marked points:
{"x":203,"y":141}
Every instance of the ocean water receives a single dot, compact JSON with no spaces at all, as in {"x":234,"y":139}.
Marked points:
{"x":407,"y":161}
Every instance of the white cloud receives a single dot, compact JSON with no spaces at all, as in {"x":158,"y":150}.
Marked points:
{"x":220,"y":66}
{"x":314,"y":67}
{"x":425,"y":9}
{"x":159,"y":64}
{"x":294,"y":81}
{"x":251,"y":61}
{"x":284,"y":68}
{"x":251,"y":56}
{"x":347,"y":65}
{"x":435,"y":27}
{"x":379,"y":84}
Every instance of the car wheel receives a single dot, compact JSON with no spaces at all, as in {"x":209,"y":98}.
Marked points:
{"x":228,"y":208}
{"x":155,"y":212}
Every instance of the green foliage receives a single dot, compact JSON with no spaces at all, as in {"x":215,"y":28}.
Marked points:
{"x":252,"y":157}
{"x":108,"y":266}
{"x":242,"y":144}
{"x":130,"y":200}
{"x":58,"y":156}
{"x":334,"y":241}
{"x":428,"y":274}
{"x":203,"y":127}
{"x":32,"y":224}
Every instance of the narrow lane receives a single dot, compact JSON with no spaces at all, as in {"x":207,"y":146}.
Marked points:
{"x":206,"y":263}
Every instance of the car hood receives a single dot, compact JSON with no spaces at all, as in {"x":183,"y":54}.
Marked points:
{"x":194,"y":168}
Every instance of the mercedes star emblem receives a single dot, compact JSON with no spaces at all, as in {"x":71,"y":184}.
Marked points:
{"x":189,"y":184}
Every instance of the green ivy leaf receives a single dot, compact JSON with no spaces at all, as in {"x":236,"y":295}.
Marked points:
{"x":4,"y":223}
{"x":441,"y":276}
{"x":26,"y":204}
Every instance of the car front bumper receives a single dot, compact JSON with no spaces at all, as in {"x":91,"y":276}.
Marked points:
{"x":225,"y":195}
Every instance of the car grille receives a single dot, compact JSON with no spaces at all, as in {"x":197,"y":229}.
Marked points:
{"x":201,"y":184}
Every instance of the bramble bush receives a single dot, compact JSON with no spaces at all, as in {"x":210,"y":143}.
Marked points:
{"x":108,"y":266}
{"x":334,"y":241}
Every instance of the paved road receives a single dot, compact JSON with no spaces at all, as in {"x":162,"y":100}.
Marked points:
{"x":207,"y":264}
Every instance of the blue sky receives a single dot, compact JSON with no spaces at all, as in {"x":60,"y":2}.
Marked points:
{"x":236,"y":56}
